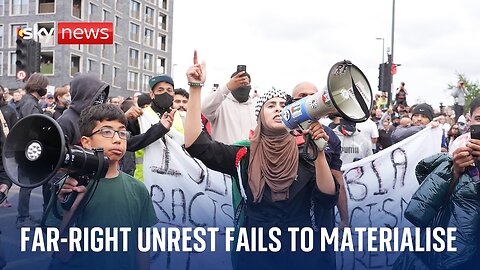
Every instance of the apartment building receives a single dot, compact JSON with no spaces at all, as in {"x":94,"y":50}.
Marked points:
{"x":141,"y":49}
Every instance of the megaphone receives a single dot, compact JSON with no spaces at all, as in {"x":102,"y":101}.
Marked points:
{"x":35,"y":150}
{"x":348,"y":93}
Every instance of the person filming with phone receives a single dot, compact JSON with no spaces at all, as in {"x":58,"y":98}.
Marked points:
{"x":230,"y":109}
{"x":450,"y":190}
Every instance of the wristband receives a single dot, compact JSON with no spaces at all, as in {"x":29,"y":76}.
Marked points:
{"x":195,"y":84}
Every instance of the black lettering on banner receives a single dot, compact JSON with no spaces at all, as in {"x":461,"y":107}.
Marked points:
{"x":157,"y":203}
{"x":399,"y":166}
{"x":202,"y":176}
{"x":381,"y":189}
{"x":190,"y":218}
{"x":227,"y":209}
{"x":355,"y":187}
{"x":370,"y":223}
{"x":182,"y":204}
{"x":165,"y":168}
{"x":389,"y":213}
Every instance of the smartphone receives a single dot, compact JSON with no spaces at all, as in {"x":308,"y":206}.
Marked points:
{"x":475,"y":132}
{"x":241,"y":68}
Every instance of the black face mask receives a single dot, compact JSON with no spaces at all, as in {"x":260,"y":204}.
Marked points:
{"x":347,"y":129}
{"x":242,"y":93}
{"x":163,"y":101}
{"x":100,"y":99}
{"x":42,"y":92}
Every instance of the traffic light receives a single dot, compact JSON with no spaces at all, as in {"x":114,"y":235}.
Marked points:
{"x":384,"y":77}
{"x":28,"y":56}
{"x":22,"y":54}
{"x":34,"y":56}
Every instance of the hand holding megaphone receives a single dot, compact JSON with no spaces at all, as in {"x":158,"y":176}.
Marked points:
{"x":348,"y":93}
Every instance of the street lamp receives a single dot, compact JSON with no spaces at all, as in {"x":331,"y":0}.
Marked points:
{"x":383,"y":48}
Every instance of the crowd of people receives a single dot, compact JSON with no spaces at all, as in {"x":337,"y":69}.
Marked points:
{"x":280,"y":188}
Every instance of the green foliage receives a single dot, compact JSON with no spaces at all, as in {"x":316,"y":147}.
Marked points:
{"x":473,"y":89}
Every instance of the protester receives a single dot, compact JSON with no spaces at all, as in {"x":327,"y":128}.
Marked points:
{"x":8,"y":118}
{"x":62,"y":101}
{"x":401,"y":95}
{"x":230,"y":110}
{"x":36,"y":87}
{"x":118,"y":200}
{"x":448,"y":197}
{"x":278,"y":185}
{"x":452,"y":135}
{"x":332,"y":152}
{"x":354,"y":145}
{"x":459,"y":94}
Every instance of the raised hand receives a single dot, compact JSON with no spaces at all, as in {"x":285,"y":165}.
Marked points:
{"x":197,"y":73}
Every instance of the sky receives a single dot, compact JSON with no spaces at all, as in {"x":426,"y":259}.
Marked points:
{"x":283,"y":43}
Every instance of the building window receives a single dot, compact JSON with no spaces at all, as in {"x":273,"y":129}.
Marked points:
{"x":148,"y":37}
{"x":19,"y":7}
{"x":161,"y":42}
{"x":132,"y":83}
{"x":90,"y":65}
{"x":135,"y":32}
{"x":145,"y":86}
{"x":77,"y":8}
{"x":135,"y":9}
{"x":162,"y":21}
{"x":133,"y":56}
{"x":164,"y":4}
{"x":74,"y":64}
{"x":149,"y":15}
{"x":107,"y":2}
{"x":47,"y":66}
{"x":116,"y":25}
{"x":1,"y":63}
{"x":151,"y":1}
{"x":90,"y":48}
{"x":46,"y":6}
{"x":115,"y":76}
{"x":90,"y":12}
{"x":77,"y":47}
{"x":116,"y":52}
{"x":103,"y":72}
{"x":13,"y":33}
{"x":12,"y":67}
{"x":47,"y":40}
{"x":1,"y":35}
{"x":148,"y":61}
{"x":161,"y":65}
{"x":2,"y":7}
{"x":103,"y":51}
{"x":104,"y":15}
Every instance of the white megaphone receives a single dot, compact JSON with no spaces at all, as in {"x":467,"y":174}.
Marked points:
{"x":348,"y":93}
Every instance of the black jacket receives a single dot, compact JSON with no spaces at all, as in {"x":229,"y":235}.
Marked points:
{"x":85,"y":89}
{"x":28,"y":105}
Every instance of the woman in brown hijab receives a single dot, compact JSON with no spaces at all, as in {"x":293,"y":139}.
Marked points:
{"x":277,"y":187}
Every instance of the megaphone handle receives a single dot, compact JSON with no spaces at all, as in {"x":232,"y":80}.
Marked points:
{"x":320,"y":143}
{"x":69,"y":200}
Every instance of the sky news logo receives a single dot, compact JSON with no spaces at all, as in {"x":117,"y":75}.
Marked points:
{"x":71,"y":33}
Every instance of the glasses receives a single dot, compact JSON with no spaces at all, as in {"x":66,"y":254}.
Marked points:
{"x":110,"y":133}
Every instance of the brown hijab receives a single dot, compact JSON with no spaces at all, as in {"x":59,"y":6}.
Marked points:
{"x":273,"y":160}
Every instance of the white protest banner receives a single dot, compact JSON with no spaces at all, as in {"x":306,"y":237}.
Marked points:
{"x":379,"y":188}
{"x":186,"y":194}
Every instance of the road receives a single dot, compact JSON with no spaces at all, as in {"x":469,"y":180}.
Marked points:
{"x":17,"y":260}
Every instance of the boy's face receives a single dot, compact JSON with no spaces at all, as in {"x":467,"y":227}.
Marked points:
{"x":114,"y":148}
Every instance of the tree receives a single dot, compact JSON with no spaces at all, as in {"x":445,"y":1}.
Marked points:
{"x":473,"y":89}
